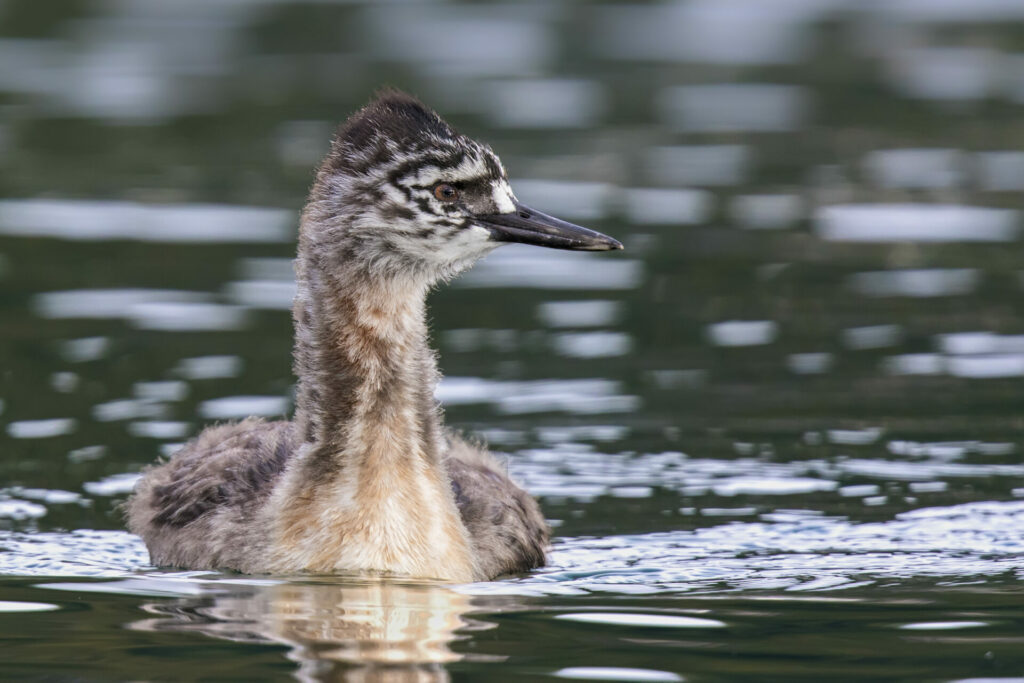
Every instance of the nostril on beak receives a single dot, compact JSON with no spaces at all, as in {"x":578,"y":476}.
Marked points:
{"x":525,"y":214}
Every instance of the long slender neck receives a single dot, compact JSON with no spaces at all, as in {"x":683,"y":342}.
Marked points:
{"x":366,"y":374}
{"x":367,"y":489}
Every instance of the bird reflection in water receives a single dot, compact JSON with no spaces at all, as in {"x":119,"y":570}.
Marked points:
{"x":370,"y":630}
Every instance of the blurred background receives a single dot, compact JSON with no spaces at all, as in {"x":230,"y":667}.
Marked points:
{"x":812,"y":347}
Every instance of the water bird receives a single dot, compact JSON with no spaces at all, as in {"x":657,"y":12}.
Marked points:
{"x":365,"y":478}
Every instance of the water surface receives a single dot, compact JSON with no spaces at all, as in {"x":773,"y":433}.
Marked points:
{"x":778,"y":437}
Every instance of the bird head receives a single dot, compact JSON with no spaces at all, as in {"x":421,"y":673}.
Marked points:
{"x":401,"y":191}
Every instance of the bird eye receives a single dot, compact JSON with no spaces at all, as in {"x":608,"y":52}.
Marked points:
{"x":446,"y":192}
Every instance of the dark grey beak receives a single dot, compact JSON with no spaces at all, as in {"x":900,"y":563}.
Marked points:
{"x":533,"y":227}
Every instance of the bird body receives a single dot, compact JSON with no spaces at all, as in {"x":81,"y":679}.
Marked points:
{"x":365,"y":478}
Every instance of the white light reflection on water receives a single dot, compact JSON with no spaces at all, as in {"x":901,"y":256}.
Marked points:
{"x":582,"y":396}
{"x":742,"y":332}
{"x":159,"y":429}
{"x":82,"y":552}
{"x":914,"y":364}
{"x":551,"y":471}
{"x":916,"y":168}
{"x":970,"y":355}
{"x":114,"y":485}
{"x":895,"y":470}
{"x":1000,"y":171}
{"x":920,"y":283}
{"x":735,"y":107}
{"x":165,"y":390}
{"x":301,"y":143}
{"x":986,"y":367}
{"x":127,"y":409}
{"x":187,"y":317}
{"x":970,"y":540}
{"x":872,"y":336}
{"x":209,"y":367}
{"x":567,"y":199}
{"x":545,"y":103}
{"x":138,"y":64}
{"x":942,"y":625}
{"x":237,"y":407}
{"x":268,"y":294}
{"x":814,"y":363}
{"x":575,"y":433}
{"x":728,"y":512}
{"x":592,"y":344}
{"x":701,"y":165}
{"x":959,"y":542}
{"x":526,"y":266}
{"x":269,"y":283}
{"x":64,"y":382}
{"x":104,"y":303}
{"x":646,"y":206}
{"x":79,"y":219}
{"x":773,"y":487}
{"x":616,"y":673}
{"x":591,"y":313}
{"x":951,"y":450}
{"x":147,"y":309}
{"x":859,"y":490}
{"x":969,"y":343}
{"x":942,"y":11}
{"x":647,"y":620}
{"x":18,"y":606}
{"x":475,"y":41}
{"x":706,"y":31}
{"x":86,"y":454}
{"x":15,"y":509}
{"x":46,"y":496}
{"x":767,"y":211}
{"x":41,"y":429}
{"x":945,"y":73}
{"x":916,"y":223}
{"x":854,"y":437}
{"x":85,"y":349}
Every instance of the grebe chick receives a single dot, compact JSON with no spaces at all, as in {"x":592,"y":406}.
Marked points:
{"x":365,"y":478}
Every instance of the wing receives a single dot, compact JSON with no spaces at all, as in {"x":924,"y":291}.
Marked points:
{"x":505,"y":523}
{"x":192,"y":510}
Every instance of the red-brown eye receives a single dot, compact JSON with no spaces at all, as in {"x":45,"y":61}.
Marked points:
{"x":446,"y":192}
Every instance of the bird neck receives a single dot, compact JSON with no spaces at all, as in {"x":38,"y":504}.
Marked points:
{"x":366,"y":373}
{"x":368,"y":489}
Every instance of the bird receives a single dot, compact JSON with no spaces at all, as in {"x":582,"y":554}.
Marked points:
{"x":365,"y":479}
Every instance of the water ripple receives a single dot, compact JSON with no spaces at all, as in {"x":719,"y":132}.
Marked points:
{"x":796,"y":553}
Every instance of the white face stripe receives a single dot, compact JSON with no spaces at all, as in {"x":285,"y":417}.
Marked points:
{"x":503,"y":197}
{"x":471,"y":167}
{"x":393,"y":193}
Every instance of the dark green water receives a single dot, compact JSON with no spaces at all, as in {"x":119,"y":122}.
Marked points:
{"x":779,"y":437}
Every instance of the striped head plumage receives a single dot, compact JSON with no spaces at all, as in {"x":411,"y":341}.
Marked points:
{"x":402,"y":192}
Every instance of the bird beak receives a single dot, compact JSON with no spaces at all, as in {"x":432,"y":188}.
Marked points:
{"x":529,"y":226}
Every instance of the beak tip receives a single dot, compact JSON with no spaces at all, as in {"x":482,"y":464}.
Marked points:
{"x":602,"y":243}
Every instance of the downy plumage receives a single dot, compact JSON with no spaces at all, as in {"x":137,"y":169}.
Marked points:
{"x":364,"y":478}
